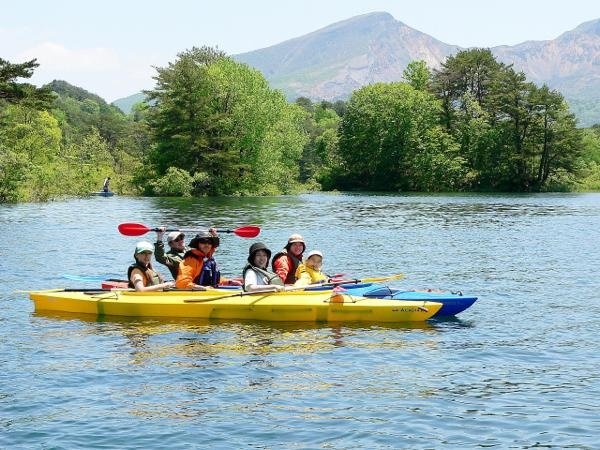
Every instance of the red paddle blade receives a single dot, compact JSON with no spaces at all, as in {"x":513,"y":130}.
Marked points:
{"x":248,"y":231}
{"x":133,"y":229}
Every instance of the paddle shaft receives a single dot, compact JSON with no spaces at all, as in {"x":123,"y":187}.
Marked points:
{"x":139,"y":229}
{"x":296,"y":288}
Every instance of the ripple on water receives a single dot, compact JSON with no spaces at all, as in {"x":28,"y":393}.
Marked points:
{"x":517,"y":370}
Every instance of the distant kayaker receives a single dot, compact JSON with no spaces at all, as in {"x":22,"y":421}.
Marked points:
{"x":198,"y":270}
{"x":177,"y":249}
{"x":142,"y":277}
{"x":106,"y":184}
{"x":256,"y":275}
{"x":309,"y":272}
{"x":286,"y":262}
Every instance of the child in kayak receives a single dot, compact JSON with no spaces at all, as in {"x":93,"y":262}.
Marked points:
{"x":309,"y":272}
{"x":142,"y":277}
{"x":256,"y":275}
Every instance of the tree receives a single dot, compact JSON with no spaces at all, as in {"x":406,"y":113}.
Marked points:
{"x":219,"y":120}
{"x":29,"y":145}
{"x":13,"y":92}
{"x":417,"y":75}
{"x":468,"y":72}
{"x":390,"y":139}
{"x":512,"y":134}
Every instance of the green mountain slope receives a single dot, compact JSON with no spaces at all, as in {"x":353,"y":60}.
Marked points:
{"x":125,"y":104}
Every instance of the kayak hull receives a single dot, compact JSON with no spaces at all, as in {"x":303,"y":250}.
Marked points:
{"x":223,"y":304}
{"x":452,"y":302}
{"x":103,"y":194}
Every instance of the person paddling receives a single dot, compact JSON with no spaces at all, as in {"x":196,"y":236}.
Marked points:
{"x":256,"y":275}
{"x":177,"y":250}
{"x":142,"y":277}
{"x":106,"y":184}
{"x":286,"y":262}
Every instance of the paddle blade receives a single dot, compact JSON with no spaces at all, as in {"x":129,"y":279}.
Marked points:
{"x":133,"y":229}
{"x":398,"y":276}
{"x":248,"y":231}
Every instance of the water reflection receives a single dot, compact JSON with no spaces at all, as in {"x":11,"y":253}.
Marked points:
{"x":197,"y":339}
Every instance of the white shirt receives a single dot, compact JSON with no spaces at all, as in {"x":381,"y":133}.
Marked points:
{"x":252,"y":278}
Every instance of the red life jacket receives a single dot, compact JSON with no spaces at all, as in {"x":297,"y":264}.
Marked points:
{"x":293,"y":263}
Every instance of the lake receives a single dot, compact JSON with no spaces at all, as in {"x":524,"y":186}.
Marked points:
{"x":519,"y":369}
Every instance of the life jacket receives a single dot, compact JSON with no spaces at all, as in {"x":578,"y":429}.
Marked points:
{"x":267,"y":277}
{"x":316,"y":276}
{"x":210,"y":274}
{"x":293,"y":264}
{"x":151,"y":278}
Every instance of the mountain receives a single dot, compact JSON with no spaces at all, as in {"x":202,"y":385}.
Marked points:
{"x":126,"y":103}
{"x":570,"y":64}
{"x":332,"y":62}
{"x":66,"y":89}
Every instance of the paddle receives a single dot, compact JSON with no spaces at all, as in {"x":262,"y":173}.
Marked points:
{"x":397,"y":276}
{"x":138,"y":229}
{"x":298,"y":288}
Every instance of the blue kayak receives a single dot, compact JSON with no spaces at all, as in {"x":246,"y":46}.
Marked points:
{"x":453,"y":302}
{"x":103,"y":193}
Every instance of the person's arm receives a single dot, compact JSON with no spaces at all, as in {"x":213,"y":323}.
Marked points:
{"x":188,"y":270}
{"x":281,"y":267}
{"x":137,"y":278}
{"x":230,"y":282}
{"x":251,"y":284}
{"x":304,"y":278}
{"x":159,"y":252}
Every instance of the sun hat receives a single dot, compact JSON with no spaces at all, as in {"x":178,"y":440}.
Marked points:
{"x":143,"y":246}
{"x":256,"y":247}
{"x":314,"y":253}
{"x":174,"y":235}
{"x":295,"y":238}
{"x":204,"y":237}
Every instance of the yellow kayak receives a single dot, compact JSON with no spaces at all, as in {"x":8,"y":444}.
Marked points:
{"x":295,"y":306}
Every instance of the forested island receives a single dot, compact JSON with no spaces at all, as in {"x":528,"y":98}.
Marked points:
{"x":213,"y":126}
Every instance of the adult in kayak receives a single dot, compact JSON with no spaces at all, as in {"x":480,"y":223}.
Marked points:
{"x":177,"y":250}
{"x":256,"y":275}
{"x":142,"y":277}
{"x":309,"y":272}
{"x":198,"y":270}
{"x":286,"y":262}
{"x":106,"y":185}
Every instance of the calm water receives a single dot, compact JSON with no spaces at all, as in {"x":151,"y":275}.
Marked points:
{"x":520,"y":369}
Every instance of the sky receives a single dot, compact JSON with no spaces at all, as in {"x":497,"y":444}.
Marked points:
{"x":111,"y":47}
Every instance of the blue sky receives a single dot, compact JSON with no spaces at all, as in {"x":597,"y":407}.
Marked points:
{"x":109,"y":47}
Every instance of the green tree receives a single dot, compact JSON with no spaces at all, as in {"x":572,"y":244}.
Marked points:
{"x":219,"y":120}
{"x":418,"y":75}
{"x":14,"y":92}
{"x":470,"y":72}
{"x":29,"y":145}
{"x":513,"y":135}
{"x":390,"y":139}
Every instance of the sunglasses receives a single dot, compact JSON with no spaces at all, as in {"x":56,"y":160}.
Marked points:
{"x":179,"y":238}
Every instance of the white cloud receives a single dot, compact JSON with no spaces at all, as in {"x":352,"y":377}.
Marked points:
{"x":100,"y":70}
{"x":53,"y":56}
